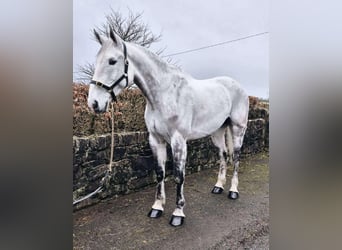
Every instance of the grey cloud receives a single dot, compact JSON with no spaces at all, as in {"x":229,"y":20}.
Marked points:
{"x":191,"y":24}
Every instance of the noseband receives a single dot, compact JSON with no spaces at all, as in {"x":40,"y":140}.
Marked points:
{"x":110,"y":89}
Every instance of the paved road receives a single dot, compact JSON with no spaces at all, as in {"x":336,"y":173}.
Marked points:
{"x":212,"y":222}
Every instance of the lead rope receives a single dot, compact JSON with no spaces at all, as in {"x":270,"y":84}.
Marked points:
{"x":105,"y":181}
{"x":112,"y":140}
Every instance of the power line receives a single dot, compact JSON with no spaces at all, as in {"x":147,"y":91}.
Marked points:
{"x":214,"y":45}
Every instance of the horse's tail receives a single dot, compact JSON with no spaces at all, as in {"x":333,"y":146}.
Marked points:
{"x":229,"y":142}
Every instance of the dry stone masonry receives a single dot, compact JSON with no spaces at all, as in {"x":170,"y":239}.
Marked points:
{"x":133,"y":166}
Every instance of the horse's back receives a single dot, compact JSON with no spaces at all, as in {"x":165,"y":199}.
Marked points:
{"x":220,"y":87}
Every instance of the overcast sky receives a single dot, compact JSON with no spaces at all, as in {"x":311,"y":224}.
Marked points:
{"x":191,"y":24}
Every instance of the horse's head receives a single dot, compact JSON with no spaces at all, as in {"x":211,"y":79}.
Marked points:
{"x":110,"y":75}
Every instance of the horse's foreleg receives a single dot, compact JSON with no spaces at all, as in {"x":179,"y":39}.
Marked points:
{"x":178,"y":145}
{"x":158,"y":147}
{"x":238,"y":134}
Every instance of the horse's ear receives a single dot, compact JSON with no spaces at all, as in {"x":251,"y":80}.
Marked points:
{"x":98,"y":37}
{"x":113,"y":36}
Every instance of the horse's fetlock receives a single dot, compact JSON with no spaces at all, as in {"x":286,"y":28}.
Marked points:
{"x":181,"y":203}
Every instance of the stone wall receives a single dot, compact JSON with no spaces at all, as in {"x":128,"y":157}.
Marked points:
{"x":133,"y":161}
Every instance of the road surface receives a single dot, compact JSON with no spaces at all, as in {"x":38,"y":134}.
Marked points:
{"x":212,"y":221}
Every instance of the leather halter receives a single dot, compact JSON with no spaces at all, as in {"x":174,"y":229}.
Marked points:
{"x":123,"y":76}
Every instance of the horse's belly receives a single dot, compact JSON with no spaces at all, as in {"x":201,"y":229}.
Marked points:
{"x":204,"y":126}
{"x":210,"y":113}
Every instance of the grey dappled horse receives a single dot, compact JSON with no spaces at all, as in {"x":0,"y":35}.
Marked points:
{"x":179,"y":108}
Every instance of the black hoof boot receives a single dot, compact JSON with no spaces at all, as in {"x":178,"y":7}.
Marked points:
{"x":217,"y":190}
{"x":233,"y":195}
{"x":155,"y":213}
{"x":176,"y":221}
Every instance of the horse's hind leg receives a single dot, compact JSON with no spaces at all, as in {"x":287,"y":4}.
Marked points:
{"x":218,"y":139}
{"x":237,"y":133}
{"x":158,"y":147}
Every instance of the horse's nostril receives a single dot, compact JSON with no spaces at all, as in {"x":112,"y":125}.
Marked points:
{"x":95,"y":105}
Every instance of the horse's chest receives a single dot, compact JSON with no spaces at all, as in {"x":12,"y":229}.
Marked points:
{"x":156,"y":123}
{"x":165,"y":123}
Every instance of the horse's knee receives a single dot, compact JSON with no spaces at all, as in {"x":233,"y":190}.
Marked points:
{"x":178,"y":175}
{"x":178,"y":145}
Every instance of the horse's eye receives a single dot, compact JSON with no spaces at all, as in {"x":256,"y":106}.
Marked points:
{"x":111,"y":61}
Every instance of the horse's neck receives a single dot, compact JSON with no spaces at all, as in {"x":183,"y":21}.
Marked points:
{"x":149,"y":71}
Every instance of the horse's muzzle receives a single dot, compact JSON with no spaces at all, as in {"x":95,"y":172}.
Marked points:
{"x":95,"y":107}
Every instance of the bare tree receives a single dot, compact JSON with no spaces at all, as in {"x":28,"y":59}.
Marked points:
{"x":130,"y":29}
{"x":85,"y":72}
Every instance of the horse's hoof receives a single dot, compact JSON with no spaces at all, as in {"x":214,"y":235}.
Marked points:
{"x":176,"y":221}
{"x":155,"y":213}
{"x":217,"y":190}
{"x":233,"y":195}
